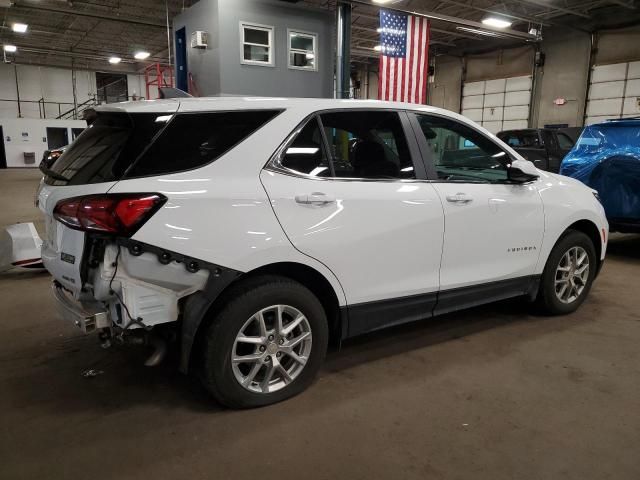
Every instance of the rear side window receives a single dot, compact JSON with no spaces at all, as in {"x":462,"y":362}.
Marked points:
{"x":103,"y":152}
{"x":121,"y":145}
{"x":192,"y":140}
{"x":305,"y":154}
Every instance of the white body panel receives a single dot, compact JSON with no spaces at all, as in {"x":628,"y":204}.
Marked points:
{"x":483,"y":237}
{"x":381,"y":239}
{"x":378,"y":240}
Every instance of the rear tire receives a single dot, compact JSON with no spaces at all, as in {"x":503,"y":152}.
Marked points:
{"x":568,"y":274}
{"x":250,"y":359}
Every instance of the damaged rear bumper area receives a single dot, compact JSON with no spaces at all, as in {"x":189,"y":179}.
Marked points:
{"x":131,"y":293}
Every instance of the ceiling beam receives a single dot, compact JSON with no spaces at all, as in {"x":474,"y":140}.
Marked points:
{"x":86,"y":13}
{"x":542,"y":3}
{"x":630,"y":4}
{"x":497,"y":12}
{"x":504,"y":33}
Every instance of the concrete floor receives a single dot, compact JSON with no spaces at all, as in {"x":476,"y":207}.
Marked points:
{"x":491,"y":393}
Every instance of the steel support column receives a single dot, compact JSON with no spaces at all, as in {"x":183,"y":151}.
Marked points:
{"x":343,"y":46}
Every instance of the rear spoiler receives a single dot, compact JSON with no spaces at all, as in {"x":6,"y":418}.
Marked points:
{"x":170,"y":92}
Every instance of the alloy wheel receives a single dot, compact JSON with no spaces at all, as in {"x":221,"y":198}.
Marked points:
{"x":271,"y":349}
{"x":572,"y":274}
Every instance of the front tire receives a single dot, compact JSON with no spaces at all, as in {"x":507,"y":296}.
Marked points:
{"x":266,"y":344}
{"x":568,"y":274}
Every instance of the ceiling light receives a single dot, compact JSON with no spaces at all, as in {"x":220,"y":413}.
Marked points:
{"x":19,"y":27}
{"x":141,"y":55}
{"x":114,"y":60}
{"x":496,"y":22}
{"x":10,"y":48}
{"x":377,"y":48}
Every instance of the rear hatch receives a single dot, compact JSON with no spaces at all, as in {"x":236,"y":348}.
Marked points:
{"x":92,"y":164}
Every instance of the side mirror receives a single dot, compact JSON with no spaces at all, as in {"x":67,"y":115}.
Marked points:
{"x":522,"y":171}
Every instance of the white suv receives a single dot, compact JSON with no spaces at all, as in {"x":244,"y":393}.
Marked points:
{"x":254,"y":231}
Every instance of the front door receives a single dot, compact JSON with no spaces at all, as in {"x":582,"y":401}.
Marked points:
{"x":493,"y":228}
{"x":348,"y":193}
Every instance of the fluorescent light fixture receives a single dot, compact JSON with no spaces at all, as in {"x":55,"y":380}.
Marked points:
{"x":141,"y":55}
{"x":114,"y":60}
{"x":19,"y":27}
{"x":377,"y":48}
{"x":496,"y":22}
{"x":10,"y":48}
{"x":479,"y":32}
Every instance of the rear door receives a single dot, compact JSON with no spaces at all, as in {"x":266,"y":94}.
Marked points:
{"x":350,"y":191}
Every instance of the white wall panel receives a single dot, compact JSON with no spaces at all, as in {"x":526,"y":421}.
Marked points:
{"x":495,"y":86}
{"x":631,"y":106}
{"x":607,"y":90}
{"x":633,"y":88}
{"x":634,"y":70}
{"x":597,"y":119}
{"x":517,"y":98}
{"x":474,"y":114}
{"x":516,"y":113}
{"x":494,"y":100}
{"x":514,"y":84}
{"x":474,"y":101}
{"x":608,"y":106}
{"x":514,"y":124}
{"x":473,"y":88}
{"x":492,"y":114}
{"x":499,"y":102}
{"x":493,"y":127}
{"x":609,"y":73}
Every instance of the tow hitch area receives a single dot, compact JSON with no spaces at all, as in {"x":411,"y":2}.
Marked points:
{"x":87,"y":316}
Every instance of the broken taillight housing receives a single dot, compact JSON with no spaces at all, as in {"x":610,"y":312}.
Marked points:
{"x":117,"y":214}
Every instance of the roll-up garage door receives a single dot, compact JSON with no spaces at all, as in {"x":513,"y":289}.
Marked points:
{"x":501,"y":104}
{"x":614,"y":92}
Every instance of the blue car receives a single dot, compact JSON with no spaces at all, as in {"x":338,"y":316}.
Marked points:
{"x":607,"y":158}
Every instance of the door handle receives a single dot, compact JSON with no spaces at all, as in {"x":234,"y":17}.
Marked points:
{"x":315,"y":198}
{"x":459,"y":198}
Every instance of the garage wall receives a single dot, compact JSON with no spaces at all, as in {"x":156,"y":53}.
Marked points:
{"x":27,"y":135}
{"x":52,"y":84}
{"x":444,"y":91}
{"x":564,"y":75}
{"x":512,"y":62}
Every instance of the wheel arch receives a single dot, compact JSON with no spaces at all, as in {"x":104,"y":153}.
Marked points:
{"x":591,"y":230}
{"x":198,"y":310}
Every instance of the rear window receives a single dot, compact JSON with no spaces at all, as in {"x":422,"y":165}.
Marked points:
{"x":121,"y":145}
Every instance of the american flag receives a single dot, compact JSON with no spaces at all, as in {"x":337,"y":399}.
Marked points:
{"x":404,"y":51}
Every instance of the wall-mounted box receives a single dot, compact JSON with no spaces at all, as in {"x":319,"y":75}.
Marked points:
{"x":199,"y":39}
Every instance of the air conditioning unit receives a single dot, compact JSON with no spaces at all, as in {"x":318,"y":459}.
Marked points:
{"x":199,"y":39}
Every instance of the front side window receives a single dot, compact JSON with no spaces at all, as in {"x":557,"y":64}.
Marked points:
{"x":462,"y":154}
{"x":303,"y":54}
{"x":368,"y":144}
{"x":565,"y":142}
{"x":256,"y":44}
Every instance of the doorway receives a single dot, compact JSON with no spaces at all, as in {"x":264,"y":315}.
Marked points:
{"x":181,"y":60}
{"x":57,"y":137}
{"x":3,"y":157}
{"x":112,"y":87}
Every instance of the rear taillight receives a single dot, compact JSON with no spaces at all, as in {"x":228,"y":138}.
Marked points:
{"x":119,"y":214}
